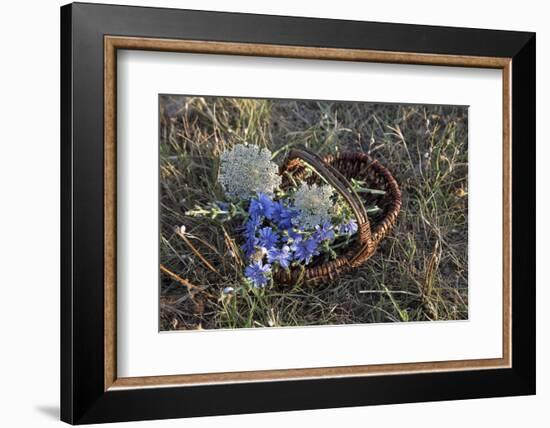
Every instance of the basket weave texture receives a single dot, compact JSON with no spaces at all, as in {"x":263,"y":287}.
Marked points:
{"x":337,"y":170}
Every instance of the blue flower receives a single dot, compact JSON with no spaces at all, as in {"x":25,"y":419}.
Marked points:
{"x":283,"y":215}
{"x":324,"y":232}
{"x":249,"y":231}
{"x":267,"y":238}
{"x":251,"y":226}
{"x":276,"y":209}
{"x":348,"y":228}
{"x":255,"y":210}
{"x":282,"y":256}
{"x":258,"y":273}
{"x":305,"y":249}
{"x":249,"y":246}
{"x":262,"y":205}
{"x":292,"y":236}
{"x":286,"y":217}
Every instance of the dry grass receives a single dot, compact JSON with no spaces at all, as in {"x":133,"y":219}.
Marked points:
{"x":419,"y":273}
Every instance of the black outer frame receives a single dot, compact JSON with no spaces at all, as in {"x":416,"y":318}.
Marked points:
{"x":83,"y":399}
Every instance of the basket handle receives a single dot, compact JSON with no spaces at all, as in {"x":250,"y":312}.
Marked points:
{"x":337,"y":180}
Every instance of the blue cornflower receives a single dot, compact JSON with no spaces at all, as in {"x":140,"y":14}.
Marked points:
{"x":292,"y":236}
{"x":267,"y":238}
{"x":305,"y":249}
{"x":283,"y":215}
{"x":255,"y":210}
{"x":249,"y":231}
{"x":249,"y":245}
{"x":251,"y":226}
{"x":258,"y":273}
{"x":348,"y":228}
{"x":262,"y":205}
{"x":324,"y":232}
{"x":282,"y":256}
{"x":276,"y":209}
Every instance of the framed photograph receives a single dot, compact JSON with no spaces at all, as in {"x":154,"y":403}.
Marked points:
{"x":265,"y":213}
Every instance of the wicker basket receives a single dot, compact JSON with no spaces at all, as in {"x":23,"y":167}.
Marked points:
{"x":337,"y":170}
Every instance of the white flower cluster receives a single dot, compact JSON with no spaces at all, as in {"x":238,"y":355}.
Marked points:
{"x":314,"y":204}
{"x":246,"y":170}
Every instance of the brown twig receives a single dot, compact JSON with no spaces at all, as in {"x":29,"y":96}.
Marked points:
{"x":186,"y":283}
{"x":198,"y":254}
{"x":232,"y":247}
{"x":197,"y":300}
{"x":191,"y":288}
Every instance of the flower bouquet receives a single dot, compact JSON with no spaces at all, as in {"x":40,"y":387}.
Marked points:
{"x":307,"y":220}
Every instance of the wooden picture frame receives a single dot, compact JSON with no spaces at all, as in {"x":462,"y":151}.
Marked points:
{"x":91,"y":390}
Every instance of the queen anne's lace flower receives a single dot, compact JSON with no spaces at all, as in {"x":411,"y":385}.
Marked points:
{"x":246,"y":170}
{"x":314,"y":204}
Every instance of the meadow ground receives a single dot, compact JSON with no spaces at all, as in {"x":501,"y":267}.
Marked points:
{"x":419,"y":272}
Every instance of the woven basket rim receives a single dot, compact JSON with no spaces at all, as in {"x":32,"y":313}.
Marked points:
{"x":356,"y":254}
